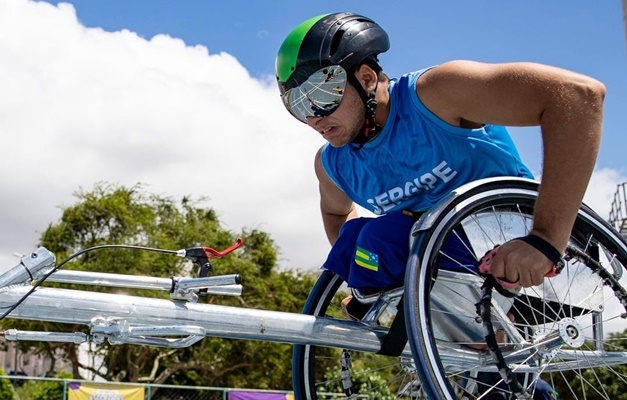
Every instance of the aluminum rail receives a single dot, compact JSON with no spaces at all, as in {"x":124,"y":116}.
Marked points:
{"x":81,"y":307}
{"x":224,"y":285}
{"x":121,"y":318}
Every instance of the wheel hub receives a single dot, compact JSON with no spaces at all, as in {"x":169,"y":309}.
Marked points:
{"x":571,"y":332}
{"x":408,"y":365}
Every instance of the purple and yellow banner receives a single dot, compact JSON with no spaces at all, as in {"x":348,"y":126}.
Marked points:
{"x":95,"y":391}
{"x":249,"y":395}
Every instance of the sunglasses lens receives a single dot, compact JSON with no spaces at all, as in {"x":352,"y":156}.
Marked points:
{"x":320,"y":95}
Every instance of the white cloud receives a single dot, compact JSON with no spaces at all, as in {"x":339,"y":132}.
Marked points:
{"x":80,"y":105}
{"x":601,"y":190}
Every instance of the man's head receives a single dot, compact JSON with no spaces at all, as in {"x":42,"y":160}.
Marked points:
{"x":320,"y":56}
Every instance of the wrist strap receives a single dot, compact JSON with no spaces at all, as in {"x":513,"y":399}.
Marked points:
{"x":542,"y":246}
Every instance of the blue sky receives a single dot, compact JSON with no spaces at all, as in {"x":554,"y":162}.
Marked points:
{"x":585,"y":36}
{"x":179,"y":96}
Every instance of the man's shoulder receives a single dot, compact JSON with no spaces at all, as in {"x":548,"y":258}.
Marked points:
{"x":409,"y":81}
{"x":413,"y":75}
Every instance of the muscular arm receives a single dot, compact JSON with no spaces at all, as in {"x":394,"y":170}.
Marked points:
{"x":567,"y":106}
{"x":335,"y":206}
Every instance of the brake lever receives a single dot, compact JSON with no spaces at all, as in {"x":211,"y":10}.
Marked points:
{"x":201,"y":256}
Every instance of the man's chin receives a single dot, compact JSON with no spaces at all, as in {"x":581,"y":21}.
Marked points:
{"x":340,"y":141}
{"x":337,"y":145}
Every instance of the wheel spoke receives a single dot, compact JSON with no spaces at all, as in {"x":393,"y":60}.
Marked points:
{"x":320,"y":370}
{"x":568,"y":332}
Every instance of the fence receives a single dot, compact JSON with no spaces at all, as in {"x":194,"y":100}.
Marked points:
{"x":618,"y":211}
{"x":27,"y":388}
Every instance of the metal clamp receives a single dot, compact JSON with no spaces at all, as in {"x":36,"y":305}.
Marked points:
{"x":119,"y":331}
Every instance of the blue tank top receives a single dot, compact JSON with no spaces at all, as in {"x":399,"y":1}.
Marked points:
{"x":417,"y":158}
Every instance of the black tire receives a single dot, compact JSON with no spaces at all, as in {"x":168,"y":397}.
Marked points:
{"x":315,"y":370}
{"x":586,"y":360}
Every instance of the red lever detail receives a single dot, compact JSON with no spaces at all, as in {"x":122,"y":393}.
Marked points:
{"x":485,"y":267}
{"x":211,"y":253}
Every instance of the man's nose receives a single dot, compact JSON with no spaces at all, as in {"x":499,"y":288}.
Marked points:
{"x":312,"y":121}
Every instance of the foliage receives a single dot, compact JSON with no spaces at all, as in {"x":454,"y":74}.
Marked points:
{"x":245,"y":363}
{"x":6,"y":389}
{"x":44,"y":390}
{"x":599,"y":382}
{"x":371,"y":384}
{"x":121,"y":215}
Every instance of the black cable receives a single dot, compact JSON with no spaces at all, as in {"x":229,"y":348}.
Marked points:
{"x":485,"y":303}
{"x":483,"y":311}
{"x":73,"y":256}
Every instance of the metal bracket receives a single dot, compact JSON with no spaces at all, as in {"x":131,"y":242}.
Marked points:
{"x":15,"y":335}
{"x":119,"y":331}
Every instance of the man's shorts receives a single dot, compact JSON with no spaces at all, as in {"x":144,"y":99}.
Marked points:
{"x":371,"y":253}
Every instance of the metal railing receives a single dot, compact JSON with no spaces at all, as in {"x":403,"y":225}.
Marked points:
{"x":618,"y":211}
{"x":24,"y":386}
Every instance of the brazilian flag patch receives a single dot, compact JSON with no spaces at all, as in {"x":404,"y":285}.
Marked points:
{"x":366,"y":259}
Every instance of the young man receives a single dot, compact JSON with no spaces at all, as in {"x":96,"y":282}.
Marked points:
{"x":397,"y":146}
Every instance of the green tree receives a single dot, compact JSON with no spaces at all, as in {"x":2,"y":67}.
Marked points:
{"x":372,"y":384}
{"x":245,"y":363}
{"x":49,"y":390}
{"x":599,"y":382}
{"x":112,"y":214}
{"x":6,"y":389}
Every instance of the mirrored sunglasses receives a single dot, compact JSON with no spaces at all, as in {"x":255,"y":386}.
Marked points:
{"x":319,"y":96}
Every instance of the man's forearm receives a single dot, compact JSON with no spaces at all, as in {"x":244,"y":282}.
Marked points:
{"x":571,"y":141}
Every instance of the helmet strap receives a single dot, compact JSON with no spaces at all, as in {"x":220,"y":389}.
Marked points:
{"x":369,"y":129}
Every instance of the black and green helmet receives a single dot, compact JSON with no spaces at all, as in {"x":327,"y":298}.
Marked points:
{"x":343,"y":39}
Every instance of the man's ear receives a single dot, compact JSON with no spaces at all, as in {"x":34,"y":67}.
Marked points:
{"x":367,"y":77}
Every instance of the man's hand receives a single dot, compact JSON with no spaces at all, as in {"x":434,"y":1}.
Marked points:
{"x":517,"y":261}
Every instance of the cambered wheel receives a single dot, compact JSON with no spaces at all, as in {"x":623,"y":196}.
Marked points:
{"x":318,"y":371}
{"x":568,"y":333}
